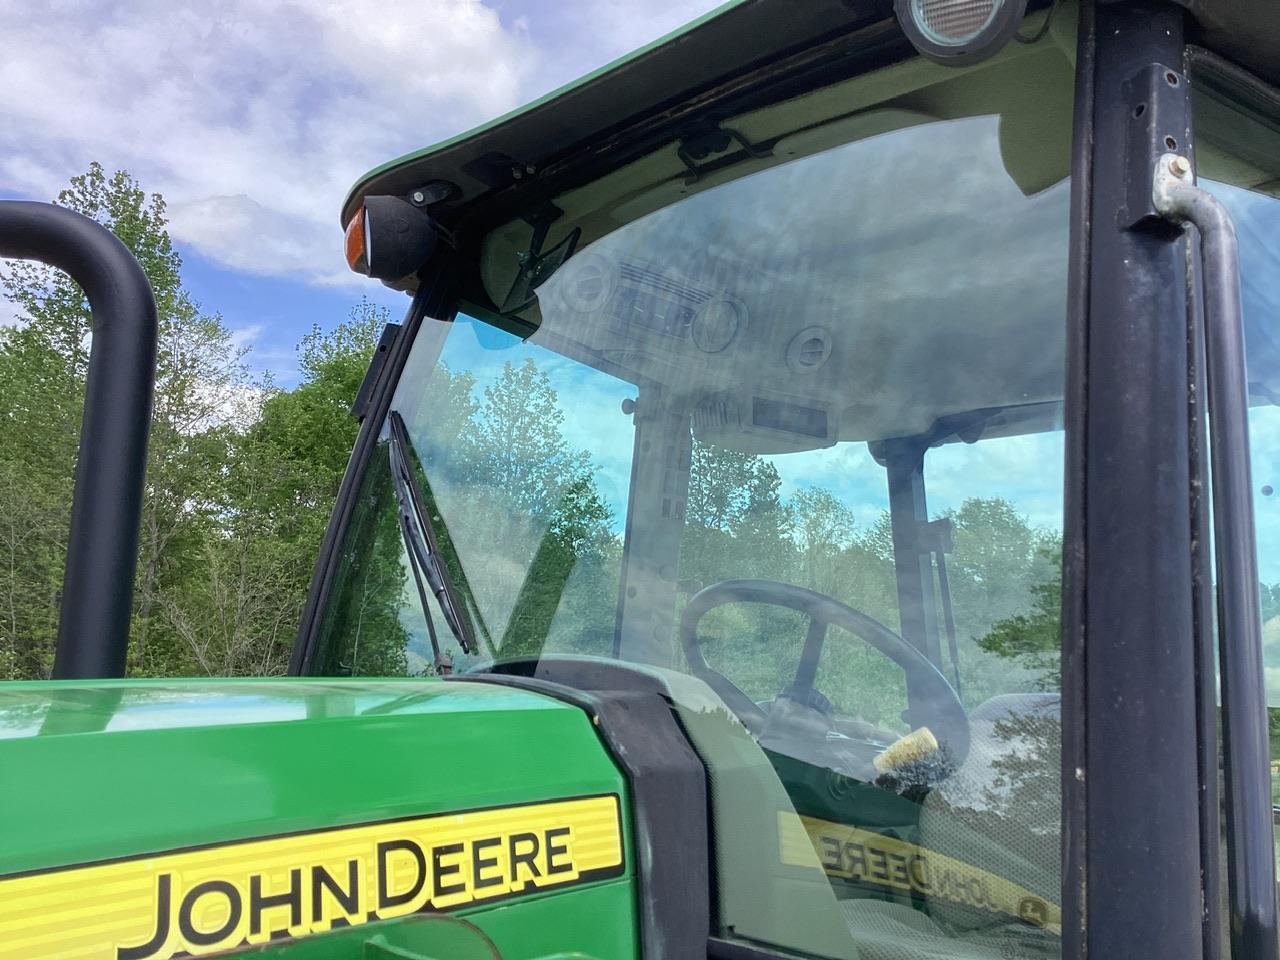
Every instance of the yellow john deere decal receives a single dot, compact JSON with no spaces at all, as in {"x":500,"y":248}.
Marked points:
{"x":217,"y":897}
{"x":851,"y":853}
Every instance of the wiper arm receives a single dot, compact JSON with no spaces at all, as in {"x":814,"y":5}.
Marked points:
{"x":429,"y":572}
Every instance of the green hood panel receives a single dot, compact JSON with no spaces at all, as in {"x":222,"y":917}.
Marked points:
{"x":98,"y":770}
{"x":131,"y":807}
{"x":67,"y":707}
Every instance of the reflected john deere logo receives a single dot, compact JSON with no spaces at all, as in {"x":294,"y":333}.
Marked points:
{"x":1033,"y":910}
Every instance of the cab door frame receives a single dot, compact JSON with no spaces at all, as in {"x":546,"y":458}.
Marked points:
{"x":1141,"y":873}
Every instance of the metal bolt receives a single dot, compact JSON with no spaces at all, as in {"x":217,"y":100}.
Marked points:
{"x":418,"y":196}
{"x":1179,"y":166}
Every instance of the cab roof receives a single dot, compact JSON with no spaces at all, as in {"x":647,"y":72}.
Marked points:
{"x":584,"y":117}
{"x":741,"y":43}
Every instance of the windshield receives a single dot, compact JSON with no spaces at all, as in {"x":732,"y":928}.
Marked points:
{"x":791,"y":441}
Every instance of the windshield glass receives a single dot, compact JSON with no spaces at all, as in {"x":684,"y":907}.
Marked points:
{"x":792,"y":442}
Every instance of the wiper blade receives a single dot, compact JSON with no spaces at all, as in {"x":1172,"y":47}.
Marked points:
{"x":429,"y":571}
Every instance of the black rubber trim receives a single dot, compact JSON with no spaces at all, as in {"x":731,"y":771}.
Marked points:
{"x":433,"y":301}
{"x":668,"y":787}
{"x":1075,"y":834}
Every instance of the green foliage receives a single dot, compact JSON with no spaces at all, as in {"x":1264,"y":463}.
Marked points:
{"x":1003,"y":575}
{"x":536,"y":555}
{"x":363,"y":633}
{"x":200,"y":379}
{"x":281,"y":478}
{"x":241,"y":476}
{"x":500,"y":463}
{"x":1034,"y":639}
{"x":1270,"y":600}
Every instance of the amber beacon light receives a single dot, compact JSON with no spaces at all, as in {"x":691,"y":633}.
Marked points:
{"x":389,"y":238}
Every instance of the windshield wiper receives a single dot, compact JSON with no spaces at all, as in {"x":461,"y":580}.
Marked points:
{"x":429,"y":572}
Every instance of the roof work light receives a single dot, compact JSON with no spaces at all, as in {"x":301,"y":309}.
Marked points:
{"x":959,"y":31}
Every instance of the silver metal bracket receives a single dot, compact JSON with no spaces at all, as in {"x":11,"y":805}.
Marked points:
{"x":1176,"y":197}
{"x":1157,"y":123}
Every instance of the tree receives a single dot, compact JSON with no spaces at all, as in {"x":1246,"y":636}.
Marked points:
{"x":522,"y":529}
{"x":736,"y":524}
{"x":1001,"y":568}
{"x":1034,"y":639}
{"x":722,"y":482}
{"x":1270,"y":600}
{"x":282,"y":474}
{"x":200,"y":381}
{"x":241,"y":476}
{"x":824,"y":530}
{"x":517,"y":444}
{"x":541,"y":492}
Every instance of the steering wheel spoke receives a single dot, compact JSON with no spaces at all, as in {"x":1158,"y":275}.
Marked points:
{"x":810,"y":656}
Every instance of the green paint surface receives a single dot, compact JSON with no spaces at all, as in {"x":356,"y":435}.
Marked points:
{"x":107,"y":769}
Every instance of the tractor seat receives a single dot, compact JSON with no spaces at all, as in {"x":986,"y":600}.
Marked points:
{"x":1001,"y":813}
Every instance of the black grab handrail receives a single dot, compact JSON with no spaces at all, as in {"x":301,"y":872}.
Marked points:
{"x":97,"y":591}
{"x":1249,"y":813}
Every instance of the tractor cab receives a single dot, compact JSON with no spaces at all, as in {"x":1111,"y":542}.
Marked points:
{"x":771,"y":416}
{"x":777,"y":391}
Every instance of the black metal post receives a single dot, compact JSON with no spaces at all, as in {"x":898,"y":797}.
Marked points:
{"x":912,"y":553}
{"x":1141,"y":882}
{"x":433,"y":301}
{"x":1075,"y":820}
{"x":97,"y":592}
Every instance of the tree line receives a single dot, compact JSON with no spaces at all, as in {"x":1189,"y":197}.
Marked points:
{"x":240,"y":475}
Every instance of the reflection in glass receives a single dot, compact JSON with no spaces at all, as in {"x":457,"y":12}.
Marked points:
{"x":841,"y":375}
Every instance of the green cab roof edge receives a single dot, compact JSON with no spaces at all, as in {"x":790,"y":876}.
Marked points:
{"x":728,"y":40}
{"x":357,"y":189}
{"x":734,"y":39}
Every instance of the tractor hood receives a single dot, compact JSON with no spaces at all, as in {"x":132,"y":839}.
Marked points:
{"x":258,"y":810}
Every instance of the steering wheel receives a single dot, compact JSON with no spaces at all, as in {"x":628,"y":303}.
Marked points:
{"x":934,"y":700}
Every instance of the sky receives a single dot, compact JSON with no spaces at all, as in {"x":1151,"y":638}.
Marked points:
{"x":254,"y":117}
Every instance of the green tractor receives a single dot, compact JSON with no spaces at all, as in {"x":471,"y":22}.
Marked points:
{"x":806,"y":512}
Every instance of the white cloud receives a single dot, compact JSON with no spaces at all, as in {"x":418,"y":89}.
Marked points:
{"x":10,"y":315}
{"x":254,"y":117}
{"x":584,"y":34}
{"x":254,"y":121}
{"x":244,"y":337}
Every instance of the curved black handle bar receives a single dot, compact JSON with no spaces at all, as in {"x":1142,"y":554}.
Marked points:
{"x":1246,"y":754}
{"x":97,"y":592}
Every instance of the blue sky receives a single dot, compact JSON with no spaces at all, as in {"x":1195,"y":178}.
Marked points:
{"x":253,"y":117}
